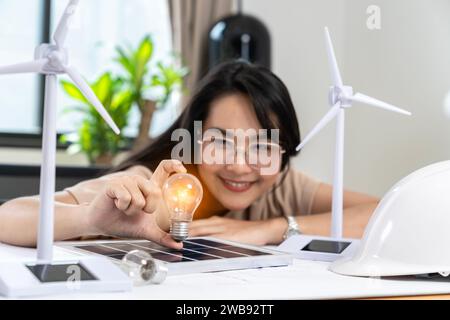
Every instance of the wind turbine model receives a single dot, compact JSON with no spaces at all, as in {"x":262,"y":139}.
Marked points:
{"x":46,"y":276}
{"x":341,"y":98}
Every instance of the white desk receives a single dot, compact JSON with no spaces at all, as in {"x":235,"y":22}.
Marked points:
{"x":303,"y":280}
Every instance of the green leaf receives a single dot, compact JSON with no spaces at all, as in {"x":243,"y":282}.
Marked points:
{"x":144,"y":52}
{"x":156,"y":81}
{"x":73,"y":91}
{"x":170,"y":78}
{"x":125,"y":60}
{"x":63,"y":139}
{"x":102,"y":87}
{"x":121,"y":98}
{"x":141,"y":58}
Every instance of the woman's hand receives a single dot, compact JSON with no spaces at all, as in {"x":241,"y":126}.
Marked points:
{"x":129,"y":206}
{"x":251,"y":232}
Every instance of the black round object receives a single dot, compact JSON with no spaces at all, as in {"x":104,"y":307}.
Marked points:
{"x":239,"y":36}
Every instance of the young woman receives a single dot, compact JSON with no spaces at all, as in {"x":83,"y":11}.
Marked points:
{"x":240,"y":202}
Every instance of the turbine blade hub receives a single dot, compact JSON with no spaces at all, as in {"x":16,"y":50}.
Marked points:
{"x":58,"y":58}
{"x":340,"y":94}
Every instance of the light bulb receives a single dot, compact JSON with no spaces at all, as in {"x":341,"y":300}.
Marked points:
{"x":142,"y":268}
{"x":182,"y":193}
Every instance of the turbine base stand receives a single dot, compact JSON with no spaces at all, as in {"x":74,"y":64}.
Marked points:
{"x":318,"y":248}
{"x":86,"y":274}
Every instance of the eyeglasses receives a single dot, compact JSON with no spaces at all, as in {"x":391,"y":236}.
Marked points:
{"x":257,"y":155}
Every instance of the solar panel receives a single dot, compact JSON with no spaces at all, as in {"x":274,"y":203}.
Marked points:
{"x":197,"y":255}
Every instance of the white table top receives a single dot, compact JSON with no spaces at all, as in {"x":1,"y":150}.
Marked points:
{"x":302,"y":280}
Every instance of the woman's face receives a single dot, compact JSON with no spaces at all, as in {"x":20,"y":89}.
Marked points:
{"x":235,"y":186}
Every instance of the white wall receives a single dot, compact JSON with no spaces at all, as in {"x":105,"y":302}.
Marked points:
{"x":406,"y":63}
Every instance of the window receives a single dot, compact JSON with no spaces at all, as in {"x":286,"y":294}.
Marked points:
{"x":98,"y":28}
{"x":20,"y":31}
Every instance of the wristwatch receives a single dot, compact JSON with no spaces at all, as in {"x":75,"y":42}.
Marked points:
{"x":292,"y":228}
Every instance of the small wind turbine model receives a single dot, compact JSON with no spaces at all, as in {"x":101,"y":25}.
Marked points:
{"x":46,"y":276}
{"x":341,"y":98}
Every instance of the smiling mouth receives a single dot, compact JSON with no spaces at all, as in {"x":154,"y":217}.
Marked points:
{"x":237,"y":186}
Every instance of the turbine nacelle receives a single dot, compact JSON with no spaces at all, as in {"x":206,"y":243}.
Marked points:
{"x":58,"y":58}
{"x":340,"y":94}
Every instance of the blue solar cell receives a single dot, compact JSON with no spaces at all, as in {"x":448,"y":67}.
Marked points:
{"x":193,"y":250}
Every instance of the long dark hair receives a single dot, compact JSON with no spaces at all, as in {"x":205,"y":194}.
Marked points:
{"x":267,"y":93}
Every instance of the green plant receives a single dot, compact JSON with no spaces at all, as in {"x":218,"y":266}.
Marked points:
{"x":166,"y":78}
{"x":119,"y":93}
{"x":94,"y":137}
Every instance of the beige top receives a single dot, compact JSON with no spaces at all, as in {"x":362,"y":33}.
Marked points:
{"x":292,"y":195}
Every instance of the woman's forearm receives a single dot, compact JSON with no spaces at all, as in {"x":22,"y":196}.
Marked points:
{"x":19,"y":219}
{"x":354,"y":224}
{"x":355,"y":221}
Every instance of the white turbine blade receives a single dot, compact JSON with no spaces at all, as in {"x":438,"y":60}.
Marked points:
{"x":322,"y":123}
{"x":377,"y":103}
{"x":35,"y":66}
{"x":332,"y":62}
{"x":64,"y":24}
{"x":91,"y":97}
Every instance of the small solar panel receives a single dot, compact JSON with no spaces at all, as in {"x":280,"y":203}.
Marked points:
{"x":197,"y":255}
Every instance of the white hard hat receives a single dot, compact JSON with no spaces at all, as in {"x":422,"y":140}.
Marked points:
{"x":409,"y":232}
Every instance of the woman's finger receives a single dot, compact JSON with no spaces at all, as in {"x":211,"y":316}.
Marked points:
{"x":164,"y":169}
{"x":151,"y":193}
{"x":167,"y":240}
{"x":121,"y":196}
{"x":145,"y":185}
{"x":153,"y":233}
{"x":137,"y":198}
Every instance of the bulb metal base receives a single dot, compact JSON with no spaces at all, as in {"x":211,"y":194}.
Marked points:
{"x":179,"y":230}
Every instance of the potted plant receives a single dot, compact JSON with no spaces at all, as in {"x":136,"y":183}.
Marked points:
{"x":165,"y":78}
{"x":119,"y":93}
